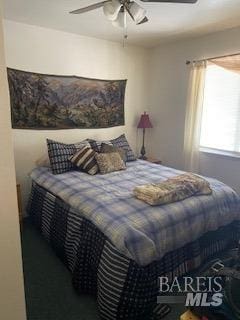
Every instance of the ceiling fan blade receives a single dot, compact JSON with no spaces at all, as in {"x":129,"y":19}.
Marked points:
{"x":172,"y":1}
{"x":89,"y":8}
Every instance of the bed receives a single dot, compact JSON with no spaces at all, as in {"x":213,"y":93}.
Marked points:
{"x":117,"y":246}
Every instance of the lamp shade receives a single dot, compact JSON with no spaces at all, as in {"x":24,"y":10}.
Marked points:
{"x":121,"y":20}
{"x":144,"y":121}
{"x":137,"y":12}
{"x":112,"y":9}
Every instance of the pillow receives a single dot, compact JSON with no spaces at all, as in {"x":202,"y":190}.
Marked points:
{"x":59,"y":154}
{"x":106,"y":148}
{"x":109,"y":162}
{"x":84,"y":159}
{"x":96,"y":145}
{"x":121,"y":142}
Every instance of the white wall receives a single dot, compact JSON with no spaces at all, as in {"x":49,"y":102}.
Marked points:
{"x":37,"y":49}
{"x":168,"y":97}
{"x":12,"y":305}
{"x":157,"y":82}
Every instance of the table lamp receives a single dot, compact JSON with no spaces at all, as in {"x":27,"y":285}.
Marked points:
{"x":144,"y":123}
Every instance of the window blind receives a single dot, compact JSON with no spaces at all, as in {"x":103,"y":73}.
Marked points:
{"x":221,"y":110}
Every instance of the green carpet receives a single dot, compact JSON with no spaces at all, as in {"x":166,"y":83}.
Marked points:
{"x":48,"y":287}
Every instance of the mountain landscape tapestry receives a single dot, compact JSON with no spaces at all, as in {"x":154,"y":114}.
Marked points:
{"x":41,"y":101}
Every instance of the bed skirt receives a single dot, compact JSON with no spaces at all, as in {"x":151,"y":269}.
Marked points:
{"x":124,"y":290}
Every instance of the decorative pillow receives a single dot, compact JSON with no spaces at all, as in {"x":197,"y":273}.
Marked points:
{"x":121,"y":142}
{"x":84,"y":159}
{"x":59,"y":154}
{"x":96,"y":145}
{"x":106,"y":148}
{"x":109,"y":162}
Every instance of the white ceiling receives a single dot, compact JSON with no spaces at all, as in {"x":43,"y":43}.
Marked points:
{"x":166,"y":21}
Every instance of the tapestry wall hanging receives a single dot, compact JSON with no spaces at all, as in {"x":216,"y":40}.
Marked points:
{"x":41,"y":101}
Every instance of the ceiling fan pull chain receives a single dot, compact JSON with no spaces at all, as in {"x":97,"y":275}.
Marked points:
{"x":125,"y":30}
{"x":125,"y":37}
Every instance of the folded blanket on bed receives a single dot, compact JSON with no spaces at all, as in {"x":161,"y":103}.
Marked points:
{"x":174,"y":189}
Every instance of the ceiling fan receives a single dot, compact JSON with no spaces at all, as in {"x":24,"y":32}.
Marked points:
{"x":116,"y":10}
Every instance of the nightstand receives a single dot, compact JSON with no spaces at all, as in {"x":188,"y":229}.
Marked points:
{"x":19,"y":199}
{"x":153,"y":160}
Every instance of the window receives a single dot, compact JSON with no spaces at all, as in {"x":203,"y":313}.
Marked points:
{"x":221,"y":110}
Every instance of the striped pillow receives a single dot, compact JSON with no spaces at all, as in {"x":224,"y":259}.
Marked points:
{"x":84,"y":159}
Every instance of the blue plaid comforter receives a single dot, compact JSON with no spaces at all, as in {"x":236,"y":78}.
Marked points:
{"x":141,"y":232}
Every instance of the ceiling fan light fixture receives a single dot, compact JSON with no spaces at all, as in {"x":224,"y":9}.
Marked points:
{"x":121,"y":21}
{"x":145,"y":19}
{"x":111,"y":9}
{"x":137,"y":12}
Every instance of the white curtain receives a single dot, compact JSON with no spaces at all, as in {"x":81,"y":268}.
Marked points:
{"x":194,"y":116}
